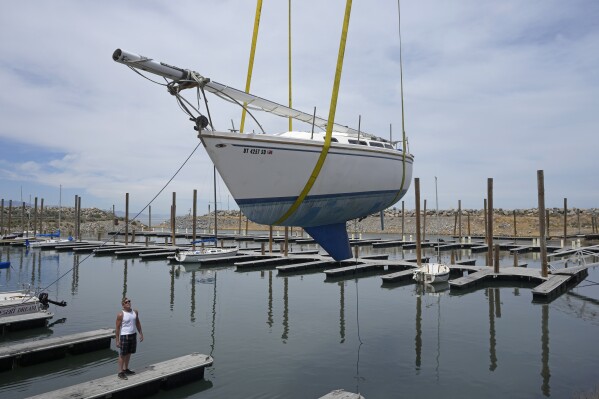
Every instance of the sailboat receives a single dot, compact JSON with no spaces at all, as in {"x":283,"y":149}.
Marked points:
{"x":433,"y":273}
{"x":205,"y":253}
{"x":314,"y":180}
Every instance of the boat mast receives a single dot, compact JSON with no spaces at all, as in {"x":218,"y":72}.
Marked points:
{"x":437,"y":217}
{"x":215,"y":210}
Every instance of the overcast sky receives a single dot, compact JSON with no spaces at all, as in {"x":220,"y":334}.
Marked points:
{"x":493,"y":89}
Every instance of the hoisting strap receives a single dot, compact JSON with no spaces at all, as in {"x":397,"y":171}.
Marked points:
{"x":251,"y":63}
{"x":327,"y":141}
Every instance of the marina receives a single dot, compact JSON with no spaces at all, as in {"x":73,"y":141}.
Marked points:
{"x":376,"y":271}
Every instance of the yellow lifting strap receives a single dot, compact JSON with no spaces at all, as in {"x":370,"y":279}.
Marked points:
{"x":251,"y":63}
{"x":331,"y":120}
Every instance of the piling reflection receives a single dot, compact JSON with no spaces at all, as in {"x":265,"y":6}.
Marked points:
{"x":75,"y":276}
{"x":125,"y":279}
{"x":192,"y":311}
{"x":269,"y":315}
{"x":285,"y":334}
{"x":418,"y":339}
{"x":341,"y":311}
{"x":490,"y":293}
{"x":172,"y":296}
{"x":545,"y":372}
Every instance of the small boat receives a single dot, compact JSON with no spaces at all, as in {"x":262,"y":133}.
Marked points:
{"x":436,"y":272}
{"x":432,"y":273}
{"x":24,"y":301}
{"x":202,"y":254}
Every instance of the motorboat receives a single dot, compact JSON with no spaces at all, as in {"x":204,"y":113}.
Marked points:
{"x":203,"y":254}
{"x":25,"y":301}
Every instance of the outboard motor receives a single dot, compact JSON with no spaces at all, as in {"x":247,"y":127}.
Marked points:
{"x":44,"y":300}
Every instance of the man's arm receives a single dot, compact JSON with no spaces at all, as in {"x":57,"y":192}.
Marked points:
{"x":119,"y":322}
{"x":138,"y":325}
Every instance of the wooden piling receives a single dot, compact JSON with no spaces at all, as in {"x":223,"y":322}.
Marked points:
{"x":246,"y":226}
{"x":286,"y":240}
{"x":270,"y":239}
{"x":126,"y":218}
{"x":79,"y":217}
{"x":565,"y":220}
{"x":455,"y":223}
{"x":418,"y":245}
{"x":578,"y":217}
{"x":468,"y":217}
{"x":173,"y":221}
{"x":194,"y":221}
{"x":490,"y":217}
{"x":547,"y":224}
{"x":486,"y":225}
{"x":35,"y":218}
{"x":460,"y":219}
{"x":424,"y":223}
{"x":41,"y":216}
{"x":24,"y":228}
{"x":239,"y":221}
{"x":496,"y":259}
{"x":150,"y":217}
{"x":403,"y":215}
{"x":543,"y":243}
{"x":2,"y":216}
{"x":9,"y":215}
{"x":515,"y":225}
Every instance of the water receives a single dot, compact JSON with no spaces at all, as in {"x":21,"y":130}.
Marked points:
{"x":302,"y":336}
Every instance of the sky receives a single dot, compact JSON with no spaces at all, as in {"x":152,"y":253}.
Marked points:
{"x":492,"y":89}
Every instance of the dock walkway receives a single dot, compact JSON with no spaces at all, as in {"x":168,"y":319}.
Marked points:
{"x":24,"y":321}
{"x":32,"y":352}
{"x":165,"y":375}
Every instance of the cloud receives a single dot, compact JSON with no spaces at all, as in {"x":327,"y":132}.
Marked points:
{"x":491,"y":90}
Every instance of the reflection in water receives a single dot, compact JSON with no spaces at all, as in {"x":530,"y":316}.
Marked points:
{"x":545,"y":372}
{"x":285,"y":310}
{"x":172,"y":302}
{"x":213,"y":331}
{"x":192,"y":317}
{"x":33,"y":269}
{"x":269,"y":319}
{"x":75,"y":277}
{"x":342,"y":311}
{"x":418,"y":338}
{"x":492,"y":341}
{"x":125,"y":280}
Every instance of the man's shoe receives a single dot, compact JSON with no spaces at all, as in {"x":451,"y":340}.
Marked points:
{"x":128,"y":372}
{"x":122,"y":375}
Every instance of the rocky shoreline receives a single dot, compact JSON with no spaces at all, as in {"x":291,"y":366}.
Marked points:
{"x":580,"y":221}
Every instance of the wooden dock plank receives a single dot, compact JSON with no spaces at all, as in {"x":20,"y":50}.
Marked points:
{"x":551,"y":288}
{"x":32,"y":352}
{"x":147,"y":382}
{"x":317,"y":264}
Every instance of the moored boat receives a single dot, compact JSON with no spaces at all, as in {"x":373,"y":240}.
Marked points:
{"x":432,"y":273}
{"x":202,"y":254}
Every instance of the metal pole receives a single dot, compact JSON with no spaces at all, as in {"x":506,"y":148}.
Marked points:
{"x":35,"y":218}
{"x":173,"y":216}
{"x":424,"y":223}
{"x":460,"y":218}
{"x":565,"y":220}
{"x":42,"y":216}
{"x":9,"y":215}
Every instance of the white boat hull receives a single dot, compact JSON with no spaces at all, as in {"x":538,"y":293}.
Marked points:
{"x":18,"y":302}
{"x":266,"y":174}
{"x":204,"y":254}
{"x":432,"y":273}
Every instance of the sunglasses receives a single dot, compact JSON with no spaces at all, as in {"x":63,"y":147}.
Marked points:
{"x":127,"y":301}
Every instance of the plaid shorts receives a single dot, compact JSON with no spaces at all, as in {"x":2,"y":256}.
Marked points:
{"x":128,"y":344}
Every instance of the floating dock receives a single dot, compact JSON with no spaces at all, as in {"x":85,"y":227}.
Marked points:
{"x":24,"y":321}
{"x":341,"y":394}
{"x":32,"y":352}
{"x":165,"y":375}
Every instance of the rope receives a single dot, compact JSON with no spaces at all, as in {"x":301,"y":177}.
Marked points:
{"x":135,"y":217}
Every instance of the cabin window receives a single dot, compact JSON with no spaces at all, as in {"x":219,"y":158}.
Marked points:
{"x":388,"y":146}
{"x":334,"y":140}
{"x":352,"y":141}
{"x":376,"y":144}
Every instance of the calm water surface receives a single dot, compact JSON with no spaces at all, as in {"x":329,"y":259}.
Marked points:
{"x":303,"y":336}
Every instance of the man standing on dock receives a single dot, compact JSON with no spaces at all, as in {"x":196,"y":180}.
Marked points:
{"x":127,"y":322}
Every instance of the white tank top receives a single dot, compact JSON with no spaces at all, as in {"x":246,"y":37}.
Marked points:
{"x":128,"y":325}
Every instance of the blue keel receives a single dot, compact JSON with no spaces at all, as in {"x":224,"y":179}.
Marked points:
{"x":333,"y":239}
